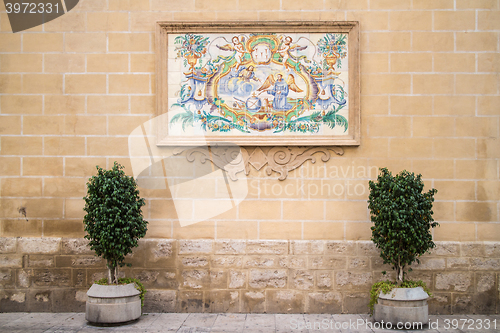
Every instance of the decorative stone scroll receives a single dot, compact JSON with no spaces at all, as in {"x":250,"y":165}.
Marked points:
{"x":234,"y":159}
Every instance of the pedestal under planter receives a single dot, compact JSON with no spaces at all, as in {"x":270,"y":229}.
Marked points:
{"x":111,"y":304}
{"x":402,"y":305}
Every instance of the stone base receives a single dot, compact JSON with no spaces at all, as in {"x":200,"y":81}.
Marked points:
{"x":402,"y":306}
{"x":112,"y":304}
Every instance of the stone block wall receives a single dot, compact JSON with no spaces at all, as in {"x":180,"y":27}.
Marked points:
{"x":248,"y":276}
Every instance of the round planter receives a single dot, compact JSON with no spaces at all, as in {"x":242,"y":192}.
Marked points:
{"x":402,"y":305}
{"x":110,"y":304}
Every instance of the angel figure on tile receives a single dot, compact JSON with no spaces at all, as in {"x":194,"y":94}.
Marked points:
{"x":239,"y":49}
{"x":285,"y":49}
{"x":280,"y":90}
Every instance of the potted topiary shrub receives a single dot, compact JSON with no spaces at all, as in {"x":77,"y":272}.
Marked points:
{"x":402,"y":215}
{"x":114,"y":224}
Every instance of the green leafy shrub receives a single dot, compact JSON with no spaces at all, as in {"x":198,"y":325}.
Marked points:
{"x":114,"y":221}
{"x":387,"y":286}
{"x":138,"y":285}
{"x":402,"y":217}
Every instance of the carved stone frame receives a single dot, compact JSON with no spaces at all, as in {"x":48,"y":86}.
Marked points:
{"x":352,"y":138}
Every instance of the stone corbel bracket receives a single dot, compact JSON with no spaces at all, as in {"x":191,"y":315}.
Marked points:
{"x":234,"y":159}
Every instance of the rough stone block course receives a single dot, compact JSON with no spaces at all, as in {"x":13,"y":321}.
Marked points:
{"x":8,"y":245}
{"x":11,"y":261}
{"x":267,"y":247}
{"x":351,"y":280}
{"x":454,"y":281}
{"x":39,"y":245}
{"x":472,"y":250}
{"x":226,"y":261}
{"x":307,"y":247}
{"x":199,"y":246}
{"x":458,"y":263}
{"x":268,"y":278}
{"x":237,"y":279}
{"x":485,"y":264}
{"x":341,"y":248}
{"x":194,"y":261}
{"x":195,"y":279}
{"x":324,"y":302}
{"x":79,"y":261}
{"x":39,"y":261}
{"x":158,"y":300}
{"x":53,"y":277}
{"x":327,"y":262}
{"x":301,"y":279}
{"x":285,"y":301}
{"x":446,"y":249}
{"x":260,"y":262}
{"x":224,"y":246}
{"x":253,"y":301}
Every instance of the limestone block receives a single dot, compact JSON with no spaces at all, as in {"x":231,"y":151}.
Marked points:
{"x":356,"y":302}
{"x":69,"y":300}
{"x":301,"y":279}
{"x":13,"y":301}
{"x":159,"y":301}
{"x":260,"y":262}
{"x":351,"y":280}
{"x":340,"y":248}
{"x":440,"y":303}
{"x":79,"y":261}
{"x":297,"y":262}
{"x":198,"y":246}
{"x":218,"y":279}
{"x":485,"y":264}
{"x":11,"y":261}
{"x":253,"y":302}
{"x":8,"y":245}
{"x":446,"y":249}
{"x":195,"y":279}
{"x":190,"y":301}
{"x":485,"y":299}
{"x":51,"y":277}
{"x":458,"y":263}
{"x":39,"y":245}
{"x":361,"y":263}
{"x":194,"y":261}
{"x":324,"y":279}
{"x":39,"y":300}
{"x":226,"y":261}
{"x":492,"y":249}
{"x":268,"y":278}
{"x":327,"y":262}
{"x":472,"y":249}
{"x":40,"y":261}
{"x":461,"y":303}
{"x":224,"y":246}
{"x":367,"y":248}
{"x":7,"y":278}
{"x":157,"y":278}
{"x":223,"y":301}
{"x":157,"y":253}
{"x":454,"y":281}
{"x":430,"y":264}
{"x":267,"y":247}
{"x":324,"y":302}
{"x":237,"y":279}
{"x":307,"y":247}
{"x":23,"y":277}
{"x":285,"y":301}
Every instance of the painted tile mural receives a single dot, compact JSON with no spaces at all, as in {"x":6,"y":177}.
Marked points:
{"x":258,"y":84}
